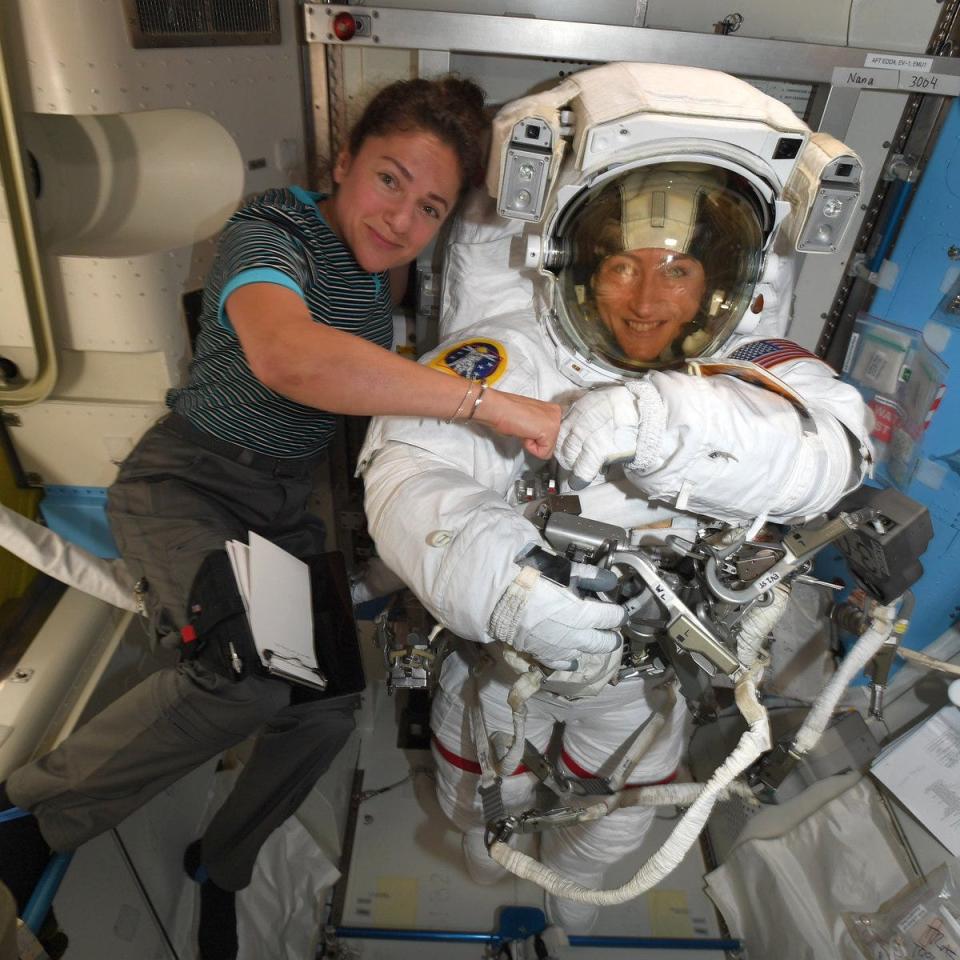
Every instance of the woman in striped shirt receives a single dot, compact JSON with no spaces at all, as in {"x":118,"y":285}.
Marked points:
{"x":295,"y":328}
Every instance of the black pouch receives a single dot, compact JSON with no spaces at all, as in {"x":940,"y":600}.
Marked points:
{"x":219,"y":631}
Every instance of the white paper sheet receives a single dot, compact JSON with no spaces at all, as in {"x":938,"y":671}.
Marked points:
{"x":922,"y":769}
{"x":239,"y":554}
{"x":275,"y":587}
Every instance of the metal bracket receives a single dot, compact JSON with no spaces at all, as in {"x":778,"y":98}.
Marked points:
{"x":901,"y":167}
{"x":878,"y":670}
{"x":776,"y":766}
{"x":857,"y":267}
{"x":684,"y":628}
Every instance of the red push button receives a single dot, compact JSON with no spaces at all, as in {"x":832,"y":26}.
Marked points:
{"x":344,"y":26}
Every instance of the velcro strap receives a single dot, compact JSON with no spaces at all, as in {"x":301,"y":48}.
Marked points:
{"x":505,"y":619}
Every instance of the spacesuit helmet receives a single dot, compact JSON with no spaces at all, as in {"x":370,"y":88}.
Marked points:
{"x":658,"y":264}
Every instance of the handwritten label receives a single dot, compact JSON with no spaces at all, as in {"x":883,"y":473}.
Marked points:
{"x":939,"y":83}
{"x":864,"y":78}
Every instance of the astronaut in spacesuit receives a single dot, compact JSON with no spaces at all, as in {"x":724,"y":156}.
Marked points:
{"x":651,"y":254}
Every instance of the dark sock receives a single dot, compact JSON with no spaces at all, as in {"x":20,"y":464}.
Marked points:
{"x":217,"y":936}
{"x":23,"y":853}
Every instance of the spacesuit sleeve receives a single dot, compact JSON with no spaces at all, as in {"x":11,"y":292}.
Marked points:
{"x":436,"y":509}
{"x":734,"y":451}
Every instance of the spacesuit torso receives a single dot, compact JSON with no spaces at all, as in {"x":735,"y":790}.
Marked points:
{"x":441,"y":498}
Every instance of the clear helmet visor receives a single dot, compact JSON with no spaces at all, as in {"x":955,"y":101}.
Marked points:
{"x":660,"y":264}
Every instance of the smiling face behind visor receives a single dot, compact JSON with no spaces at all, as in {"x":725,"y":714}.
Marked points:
{"x":661,"y":264}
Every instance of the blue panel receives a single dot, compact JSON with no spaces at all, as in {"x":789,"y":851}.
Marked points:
{"x":925,"y":272}
{"x":78,"y":514}
{"x":518,"y":923}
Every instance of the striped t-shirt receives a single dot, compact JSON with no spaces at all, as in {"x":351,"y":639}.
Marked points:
{"x":279,"y":237}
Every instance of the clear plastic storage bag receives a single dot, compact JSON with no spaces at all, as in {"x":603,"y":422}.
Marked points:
{"x":922,"y":922}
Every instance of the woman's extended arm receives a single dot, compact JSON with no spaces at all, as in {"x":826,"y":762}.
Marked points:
{"x":323,"y":367}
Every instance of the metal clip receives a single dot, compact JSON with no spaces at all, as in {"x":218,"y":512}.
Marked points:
{"x":491,"y":800}
{"x":878,"y":670}
{"x":500,"y":831}
{"x":140,"y":595}
{"x":544,"y":771}
{"x":536,"y":821}
{"x":235,"y":660}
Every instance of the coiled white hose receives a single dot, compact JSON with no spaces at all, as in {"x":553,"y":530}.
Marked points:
{"x":660,"y":795}
{"x":882,"y":623}
{"x":758,"y":623}
{"x":754,"y":742}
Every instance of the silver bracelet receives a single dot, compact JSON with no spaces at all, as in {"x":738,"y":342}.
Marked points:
{"x":479,"y":400}
{"x":459,"y":410}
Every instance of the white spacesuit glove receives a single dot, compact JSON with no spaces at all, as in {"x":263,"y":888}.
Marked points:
{"x":611,"y":424}
{"x":551,"y":623}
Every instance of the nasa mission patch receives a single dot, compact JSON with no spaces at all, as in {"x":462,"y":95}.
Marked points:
{"x":473,"y":360}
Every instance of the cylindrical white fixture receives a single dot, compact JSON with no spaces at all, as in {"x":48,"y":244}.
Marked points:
{"x":128,"y":184}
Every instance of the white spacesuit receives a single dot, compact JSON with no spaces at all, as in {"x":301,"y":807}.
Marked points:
{"x":660,"y":214}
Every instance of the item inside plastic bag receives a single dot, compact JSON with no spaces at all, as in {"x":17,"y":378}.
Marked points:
{"x":922,"y":922}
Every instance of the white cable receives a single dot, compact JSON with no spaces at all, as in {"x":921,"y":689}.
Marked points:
{"x":524,"y":687}
{"x":752,"y":744}
{"x":644,"y":739}
{"x":758,"y":623}
{"x":108,"y":580}
{"x":882,"y":623}
{"x":663,"y":795}
{"x":507,"y":756}
{"x":756,"y":526}
{"x":683,"y":794}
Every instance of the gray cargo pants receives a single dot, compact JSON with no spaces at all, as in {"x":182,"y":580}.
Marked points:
{"x":173,"y":503}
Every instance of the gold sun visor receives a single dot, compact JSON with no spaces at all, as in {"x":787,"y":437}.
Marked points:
{"x":658,"y":264}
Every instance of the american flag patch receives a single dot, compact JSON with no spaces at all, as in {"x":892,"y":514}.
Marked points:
{"x":771,"y":353}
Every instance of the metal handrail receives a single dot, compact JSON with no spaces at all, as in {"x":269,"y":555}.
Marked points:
{"x":28,"y":255}
{"x":463,"y":936}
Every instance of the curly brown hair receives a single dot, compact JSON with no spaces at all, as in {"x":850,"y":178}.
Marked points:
{"x":449,"y":107}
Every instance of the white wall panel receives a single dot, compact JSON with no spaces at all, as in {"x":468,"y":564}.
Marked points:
{"x":74,"y":57}
{"x":79,"y":443}
{"x":815,"y":21}
{"x":893,"y":24}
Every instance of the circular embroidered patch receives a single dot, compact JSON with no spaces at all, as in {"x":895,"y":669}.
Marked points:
{"x":473,"y":360}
